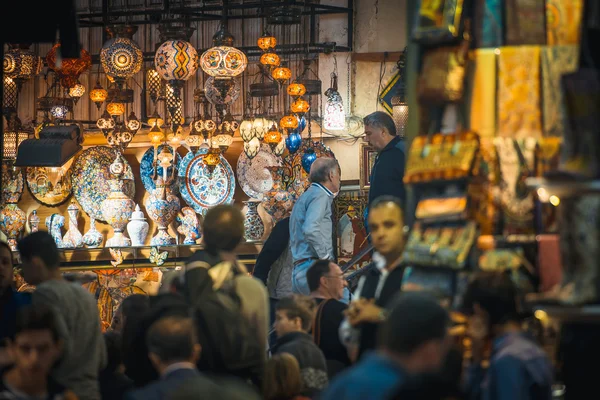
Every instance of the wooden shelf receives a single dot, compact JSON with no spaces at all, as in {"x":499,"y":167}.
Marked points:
{"x":565,"y":313}
{"x":85,"y":259}
{"x":562,"y":188}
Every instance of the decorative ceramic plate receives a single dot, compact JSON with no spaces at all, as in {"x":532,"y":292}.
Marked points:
{"x":39,"y":183}
{"x":90,"y":175}
{"x":147,"y":170}
{"x":254,"y":179}
{"x":295,"y":178}
{"x":199,"y":188}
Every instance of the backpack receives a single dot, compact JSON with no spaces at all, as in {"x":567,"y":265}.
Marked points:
{"x":230,"y":344}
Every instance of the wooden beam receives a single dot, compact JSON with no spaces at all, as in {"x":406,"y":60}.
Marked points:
{"x":377,"y":57}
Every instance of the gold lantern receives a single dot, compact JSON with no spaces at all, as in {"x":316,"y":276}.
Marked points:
{"x":288,"y":122}
{"x":300,"y":106}
{"x":266,"y":41}
{"x":296,"y":89}
{"x":115,"y":108}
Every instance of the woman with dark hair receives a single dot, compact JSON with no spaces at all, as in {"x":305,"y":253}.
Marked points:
{"x":282,"y":378}
{"x":10,"y":300}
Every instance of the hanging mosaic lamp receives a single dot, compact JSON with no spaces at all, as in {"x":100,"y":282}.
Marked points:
{"x":273,"y":137}
{"x":300,"y":106}
{"x":270,"y":59}
{"x":120,"y":56}
{"x":335,"y":117}
{"x":98,"y":95}
{"x":115,"y":108}
{"x":308,"y":158}
{"x":155,"y":85}
{"x":212,"y":159}
{"x":252,"y":148}
{"x":223,"y":60}
{"x":228,"y":126}
{"x":105,"y":122}
{"x":280,"y":148}
{"x":59,"y":111}
{"x":293,"y":142}
{"x":155,"y":119}
{"x":246,"y":128}
{"x":176,"y":60}
{"x":76,"y":92}
{"x":14,"y":135}
{"x":156,"y":136}
{"x":70,"y":68}
{"x":260,"y":126}
{"x":282,"y":74}
{"x":301,"y":124}
{"x":266,"y":41}
{"x":133,"y":123}
{"x":296,"y":89}
{"x":288,"y":122}
{"x":21,"y":64}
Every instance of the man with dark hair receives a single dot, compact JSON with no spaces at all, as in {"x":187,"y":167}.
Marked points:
{"x":326,"y":283}
{"x":173,"y":349}
{"x":413,"y":340}
{"x":76,"y":313}
{"x":293,"y":320}
{"x":383,"y":279}
{"x":518,"y":367}
{"x":311,"y":226}
{"x":113,"y":382}
{"x":388,"y":171}
{"x":223,"y":229}
{"x":34,"y":348}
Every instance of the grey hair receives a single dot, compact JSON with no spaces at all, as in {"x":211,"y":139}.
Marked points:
{"x":320,"y":169}
{"x":382,"y":120}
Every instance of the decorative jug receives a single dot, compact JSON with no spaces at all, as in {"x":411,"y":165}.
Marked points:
{"x":73,"y":238}
{"x":162,"y":207}
{"x":117,"y":207}
{"x":93,"y":238}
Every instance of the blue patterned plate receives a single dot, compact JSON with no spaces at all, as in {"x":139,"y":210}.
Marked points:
{"x":199,"y":188}
{"x":147,"y":170}
{"x":90,"y":176}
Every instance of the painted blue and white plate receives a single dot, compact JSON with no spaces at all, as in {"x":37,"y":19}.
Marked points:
{"x":199,"y":188}
{"x":147,"y":170}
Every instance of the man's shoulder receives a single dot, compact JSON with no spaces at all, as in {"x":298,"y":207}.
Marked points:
{"x":334,"y":306}
{"x":159,"y":389}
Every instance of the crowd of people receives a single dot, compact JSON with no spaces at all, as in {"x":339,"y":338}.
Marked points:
{"x":290,"y":330}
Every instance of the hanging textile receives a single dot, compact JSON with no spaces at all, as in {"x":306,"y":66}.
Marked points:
{"x":482,"y":84}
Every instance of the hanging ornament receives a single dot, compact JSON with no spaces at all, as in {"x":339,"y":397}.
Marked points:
{"x":308,"y":158}
{"x":120,"y":56}
{"x":223,"y":60}
{"x":334,"y":118}
{"x":68,"y":69}
{"x":293,"y":142}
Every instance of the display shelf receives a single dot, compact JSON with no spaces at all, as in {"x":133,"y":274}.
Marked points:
{"x":562,"y":188}
{"x":83,"y":259}
{"x":566,"y":313}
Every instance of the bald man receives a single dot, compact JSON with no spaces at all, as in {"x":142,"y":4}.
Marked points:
{"x":311,"y":221}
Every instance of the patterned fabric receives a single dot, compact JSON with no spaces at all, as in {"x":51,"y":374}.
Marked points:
{"x":519,"y":113}
{"x":525,"y":22}
{"x":489,"y":20}
{"x":482,"y":84}
{"x":556,"y":61}
{"x":563,"y":21}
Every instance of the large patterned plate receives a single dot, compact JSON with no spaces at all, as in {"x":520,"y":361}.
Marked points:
{"x":39,"y":183}
{"x":147,"y":170}
{"x":90,"y":176}
{"x":253,"y":176}
{"x":199,"y":188}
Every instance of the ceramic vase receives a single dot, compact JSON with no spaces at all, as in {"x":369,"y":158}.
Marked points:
{"x":277,"y":201}
{"x":34,"y":221}
{"x":117,"y":207}
{"x":93,"y":238}
{"x":162,"y":207}
{"x":189,"y":227}
{"x":54,"y":223}
{"x":254,"y":228}
{"x":73,"y":238}
{"x":137,"y":227}
{"x":12,"y":222}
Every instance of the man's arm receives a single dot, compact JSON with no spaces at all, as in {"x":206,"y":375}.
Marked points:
{"x":276,"y":243}
{"x":506,"y":381}
{"x":317,"y":214}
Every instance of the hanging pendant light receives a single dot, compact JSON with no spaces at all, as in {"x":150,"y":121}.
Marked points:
{"x":155,"y":85}
{"x":280,"y":148}
{"x":300,"y":106}
{"x":282,"y":74}
{"x":155,"y":119}
{"x":121,"y":57}
{"x":293,"y":142}
{"x":115,"y":108}
{"x":270,"y":59}
{"x":273,"y":137}
{"x":21,"y":64}
{"x":133,"y":123}
{"x":308,"y":158}
{"x":98,"y":95}
{"x":156,"y":136}
{"x":289,"y":122}
{"x":223,"y":60}
{"x":266,"y":41}
{"x":68,"y":69}
{"x":296,"y":89}
{"x":335,"y":117}
{"x":252,"y":148}
{"x":212,"y":159}
{"x":399,"y":105}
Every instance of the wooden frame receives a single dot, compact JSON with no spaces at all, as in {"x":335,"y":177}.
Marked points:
{"x":367,"y":157}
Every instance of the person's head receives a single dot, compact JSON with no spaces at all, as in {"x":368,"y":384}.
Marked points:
{"x":36,"y":344}
{"x":491,"y":299}
{"x":293,"y":314}
{"x":282,"y":378}
{"x":379,"y":129}
{"x":171,"y":340}
{"x":6,"y":267}
{"x":327,"y":279}
{"x":39,"y":257}
{"x":136,"y":304}
{"x":114,"y":351}
{"x":223,"y":228}
{"x":326,"y":171}
{"x":386,"y":224}
{"x":416,"y":332}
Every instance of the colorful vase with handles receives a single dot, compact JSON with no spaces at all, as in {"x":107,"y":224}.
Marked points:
{"x":254,"y":228}
{"x":117,"y":207}
{"x":277,"y":201}
{"x":162,"y":207}
{"x":73,"y":238}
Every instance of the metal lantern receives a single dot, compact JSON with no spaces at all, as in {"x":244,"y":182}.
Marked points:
{"x":335,"y":117}
{"x":273,"y":137}
{"x":115,"y":108}
{"x":296,"y":89}
{"x":156,"y":87}
{"x":21,"y":64}
{"x":270,"y":59}
{"x":266,"y":41}
{"x":13,"y":136}
{"x":300,"y":106}
{"x":98,"y":95}
{"x":176,"y":61}
{"x":68,"y":69}
{"x":223,"y":60}
{"x":120,"y":56}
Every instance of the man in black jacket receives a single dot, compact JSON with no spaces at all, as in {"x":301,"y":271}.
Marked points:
{"x":388,"y":171}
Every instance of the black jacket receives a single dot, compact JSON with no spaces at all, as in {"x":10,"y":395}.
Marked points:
{"x":388,"y":172}
{"x":272,"y":249}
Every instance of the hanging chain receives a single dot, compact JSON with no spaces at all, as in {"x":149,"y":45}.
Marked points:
{"x":348,"y":88}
